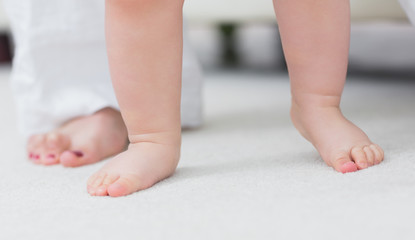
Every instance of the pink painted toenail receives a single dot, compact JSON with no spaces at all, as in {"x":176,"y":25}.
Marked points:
{"x":36,"y":157}
{"x":78,"y":153}
{"x":30,"y":155}
{"x":348,"y":167}
{"x":51,"y":156}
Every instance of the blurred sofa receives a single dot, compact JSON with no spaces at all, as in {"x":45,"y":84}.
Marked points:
{"x":262,"y":10}
{"x":3,"y":19}
{"x":382,"y":38}
{"x":390,"y":40}
{"x":239,"y":11}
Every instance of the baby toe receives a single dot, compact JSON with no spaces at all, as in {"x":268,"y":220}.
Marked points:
{"x":125,"y":185}
{"x":359,"y":157}
{"x":94,"y":182}
{"x":382,"y":153}
{"x":103,"y":189}
{"x":370,"y":156}
{"x":343,"y":163}
{"x":92,"y":178}
{"x":377,"y":151}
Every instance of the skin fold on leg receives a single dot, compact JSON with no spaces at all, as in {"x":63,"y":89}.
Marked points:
{"x":316,"y":37}
{"x":144,"y":43}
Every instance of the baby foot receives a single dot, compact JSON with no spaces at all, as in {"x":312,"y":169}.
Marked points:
{"x":341,"y":144}
{"x":81,"y":141}
{"x":144,"y":164}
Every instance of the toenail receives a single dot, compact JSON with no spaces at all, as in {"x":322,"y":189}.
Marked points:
{"x":363,"y":164}
{"x":30,"y":155}
{"x":349,"y":167}
{"x":51,"y":156}
{"x":78,"y":153}
{"x":100,"y":191}
{"x":36,"y":157}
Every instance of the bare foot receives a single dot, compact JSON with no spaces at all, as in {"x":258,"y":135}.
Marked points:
{"x":341,"y":144}
{"x":148,"y":160}
{"x":81,"y":141}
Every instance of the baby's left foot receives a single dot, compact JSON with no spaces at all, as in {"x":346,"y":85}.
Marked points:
{"x":341,"y":144}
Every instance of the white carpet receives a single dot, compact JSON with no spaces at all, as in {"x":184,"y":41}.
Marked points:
{"x":247,"y":174}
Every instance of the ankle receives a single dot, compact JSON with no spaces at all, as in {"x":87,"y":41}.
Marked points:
{"x":160,"y":137}
{"x":305,"y":115}
{"x":314,"y":102}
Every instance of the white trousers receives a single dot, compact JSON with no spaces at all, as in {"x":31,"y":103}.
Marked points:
{"x":60,"y":69}
{"x":409,"y":7}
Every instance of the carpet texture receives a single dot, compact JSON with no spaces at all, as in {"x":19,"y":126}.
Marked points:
{"x":246,"y":174}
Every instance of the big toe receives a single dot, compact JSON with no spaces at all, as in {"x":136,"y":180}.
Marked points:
{"x":77,"y":158}
{"x":344,"y":164}
{"x":126,"y":185}
{"x":378,"y":152}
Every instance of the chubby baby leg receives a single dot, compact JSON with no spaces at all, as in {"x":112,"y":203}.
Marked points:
{"x":144,"y":41}
{"x":315,"y":37}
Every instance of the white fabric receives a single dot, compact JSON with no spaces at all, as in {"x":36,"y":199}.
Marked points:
{"x":60,"y":69}
{"x":409,"y":7}
{"x":247,"y":175}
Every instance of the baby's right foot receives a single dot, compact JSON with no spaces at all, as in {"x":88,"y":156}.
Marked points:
{"x":148,"y":160}
{"x":81,"y":141}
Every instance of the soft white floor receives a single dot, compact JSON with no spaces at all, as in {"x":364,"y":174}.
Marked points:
{"x":247,"y":174}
